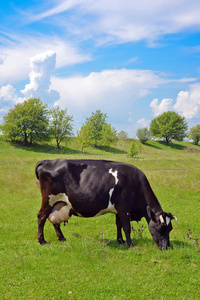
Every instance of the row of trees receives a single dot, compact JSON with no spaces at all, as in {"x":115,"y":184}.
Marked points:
{"x":169,"y":126}
{"x":32,"y":121}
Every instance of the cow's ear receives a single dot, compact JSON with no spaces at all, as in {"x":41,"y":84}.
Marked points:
{"x":151,"y":214}
{"x":172,"y":216}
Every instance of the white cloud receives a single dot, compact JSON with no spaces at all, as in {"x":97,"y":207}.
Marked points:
{"x":8,"y":98}
{"x":188,"y":102}
{"x":117,"y":21}
{"x":163,"y":106}
{"x":42,"y":65}
{"x":114,"y":91}
{"x":143,"y":122}
{"x":16,"y":52}
{"x":7,"y":93}
{"x":2,"y":58}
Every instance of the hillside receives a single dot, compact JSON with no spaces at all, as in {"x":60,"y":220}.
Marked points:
{"x":90,"y":264}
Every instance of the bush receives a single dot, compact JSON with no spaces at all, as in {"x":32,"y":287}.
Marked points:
{"x":135,"y":149}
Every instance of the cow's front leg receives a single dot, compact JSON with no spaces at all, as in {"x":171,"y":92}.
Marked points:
{"x":59,"y":233}
{"x":42,"y":216}
{"x":125,"y":223}
{"x":119,"y":230}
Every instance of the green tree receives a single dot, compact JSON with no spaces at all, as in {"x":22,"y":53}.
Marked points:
{"x":84,"y":136}
{"x":143,"y":134}
{"x":123,"y":135}
{"x":169,"y":125}
{"x":27,"y":122}
{"x":109,"y":134}
{"x":194,"y":134}
{"x":135,"y":148}
{"x":61,"y":125}
{"x":96,"y":123}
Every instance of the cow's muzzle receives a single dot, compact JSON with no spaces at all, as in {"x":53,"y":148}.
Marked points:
{"x":163,"y":244}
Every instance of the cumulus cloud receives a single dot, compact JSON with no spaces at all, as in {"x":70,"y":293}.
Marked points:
{"x":112,"y":90}
{"x":188,"y":102}
{"x":8,"y":98}
{"x":16,"y":51}
{"x":143,"y":122}
{"x":163,"y":106}
{"x":2,"y":58}
{"x":8,"y":94}
{"x":42,"y":65}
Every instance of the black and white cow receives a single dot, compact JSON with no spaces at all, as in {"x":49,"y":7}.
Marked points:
{"x":90,"y":188}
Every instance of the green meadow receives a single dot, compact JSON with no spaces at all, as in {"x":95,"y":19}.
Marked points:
{"x":90,"y":264}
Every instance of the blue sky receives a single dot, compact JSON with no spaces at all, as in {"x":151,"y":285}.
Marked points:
{"x":131,"y":59}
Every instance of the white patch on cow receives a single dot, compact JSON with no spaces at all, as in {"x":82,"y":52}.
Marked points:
{"x":168,"y":220}
{"x":111,"y":192}
{"x":115,"y":175}
{"x":161,"y":219}
{"x":57,"y":198}
{"x":109,"y":209}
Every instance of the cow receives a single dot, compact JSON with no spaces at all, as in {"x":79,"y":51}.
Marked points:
{"x":90,"y":188}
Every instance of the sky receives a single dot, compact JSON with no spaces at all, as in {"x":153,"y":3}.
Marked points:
{"x":131,"y":59}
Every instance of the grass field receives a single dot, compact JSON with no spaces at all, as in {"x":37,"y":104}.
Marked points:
{"x":90,"y":264}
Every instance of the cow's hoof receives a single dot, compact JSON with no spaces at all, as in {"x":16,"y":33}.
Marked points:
{"x":62,"y":239}
{"x":120,"y":241}
{"x":132,"y":247}
{"x":42,"y":243}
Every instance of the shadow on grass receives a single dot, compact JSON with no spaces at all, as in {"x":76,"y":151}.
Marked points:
{"x":153,"y":146}
{"x":173,"y":146}
{"x":47,"y":149}
{"x":112,"y":150}
{"x":136,"y":243}
{"x":144,"y":242}
{"x":50,"y":149}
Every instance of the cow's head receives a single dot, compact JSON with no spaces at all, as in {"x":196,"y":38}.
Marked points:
{"x":160,"y":226}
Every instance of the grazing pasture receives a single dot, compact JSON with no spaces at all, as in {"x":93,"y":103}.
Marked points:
{"x":90,"y":264}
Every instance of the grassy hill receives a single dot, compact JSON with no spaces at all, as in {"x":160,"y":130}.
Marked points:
{"x":90,"y":264}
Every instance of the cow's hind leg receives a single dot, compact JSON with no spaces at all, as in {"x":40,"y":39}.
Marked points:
{"x":59,"y":233}
{"x":42,"y":216}
{"x":119,"y":230}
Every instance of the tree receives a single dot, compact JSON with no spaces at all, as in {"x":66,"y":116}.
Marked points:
{"x":27,"y":122}
{"x":135,"y":149}
{"x":109,"y":134}
{"x":169,"y":125}
{"x":84,"y":136}
{"x":194,"y":134}
{"x":143,"y":134}
{"x":96,"y":123}
{"x":123,"y":135}
{"x":61,"y":125}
